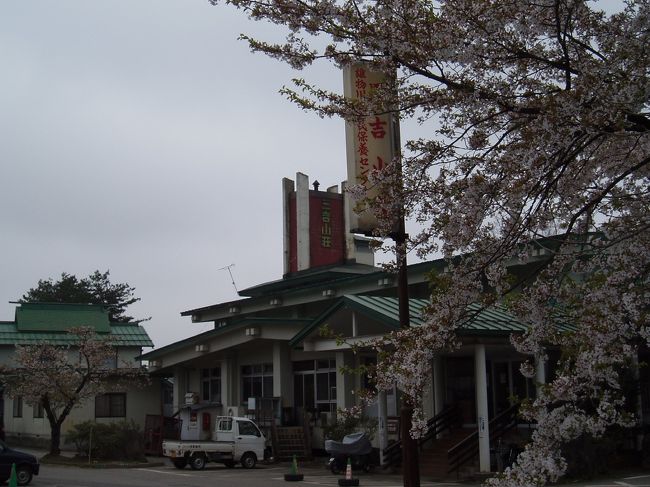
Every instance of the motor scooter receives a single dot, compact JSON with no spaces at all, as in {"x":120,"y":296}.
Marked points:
{"x":356,"y":447}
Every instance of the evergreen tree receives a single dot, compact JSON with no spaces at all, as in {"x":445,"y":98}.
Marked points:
{"x":94,"y":289}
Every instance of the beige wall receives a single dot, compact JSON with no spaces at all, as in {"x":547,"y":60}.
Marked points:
{"x":139,"y":403}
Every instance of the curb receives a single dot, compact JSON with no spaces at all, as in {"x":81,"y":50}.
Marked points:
{"x":47,"y":461}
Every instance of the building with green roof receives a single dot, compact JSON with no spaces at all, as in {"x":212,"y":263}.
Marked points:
{"x":49,"y":323}
{"x":265,"y":356}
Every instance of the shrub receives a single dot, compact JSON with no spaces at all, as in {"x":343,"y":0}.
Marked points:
{"x":346,"y":424}
{"x":588,"y":457}
{"x":108,"y":441}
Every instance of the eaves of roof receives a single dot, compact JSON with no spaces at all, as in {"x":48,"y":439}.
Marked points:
{"x":342,"y":275}
{"x":201,"y":337}
{"x":337,"y":279}
{"x":309,"y":277}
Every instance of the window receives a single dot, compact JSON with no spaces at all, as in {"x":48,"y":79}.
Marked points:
{"x":225,"y":424}
{"x":248,"y":428}
{"x":522,"y":387}
{"x":111,"y":405}
{"x":370,"y":363}
{"x":257,"y":381}
{"x":18,"y":407}
{"x":314,"y":385}
{"x":111,"y":362}
{"x":38,"y":410}
{"x":211,"y":385}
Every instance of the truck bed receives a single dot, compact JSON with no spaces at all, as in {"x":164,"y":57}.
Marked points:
{"x":178,"y":447}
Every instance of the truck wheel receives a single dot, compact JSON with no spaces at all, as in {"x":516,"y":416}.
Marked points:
{"x":198,"y":461}
{"x":248,"y":460}
{"x":180,"y":463}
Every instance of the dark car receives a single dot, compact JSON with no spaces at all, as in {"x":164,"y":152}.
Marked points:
{"x":26,"y":464}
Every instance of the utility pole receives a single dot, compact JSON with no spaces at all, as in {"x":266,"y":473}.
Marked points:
{"x":410,"y":453}
{"x":360,"y":79}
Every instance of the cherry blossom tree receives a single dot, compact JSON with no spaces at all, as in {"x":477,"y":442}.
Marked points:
{"x":60,"y":378}
{"x":538,"y":135}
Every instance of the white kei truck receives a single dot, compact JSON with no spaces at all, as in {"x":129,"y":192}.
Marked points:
{"x":234,"y":440}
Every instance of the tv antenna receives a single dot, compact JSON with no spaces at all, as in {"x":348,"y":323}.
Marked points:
{"x":231,"y":278}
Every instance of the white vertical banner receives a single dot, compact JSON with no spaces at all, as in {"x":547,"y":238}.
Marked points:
{"x":369,"y":143}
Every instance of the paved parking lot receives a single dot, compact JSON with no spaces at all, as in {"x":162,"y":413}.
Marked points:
{"x":640,"y":480}
{"x":57,"y":476}
{"x":264,"y":475}
{"x":60,"y":476}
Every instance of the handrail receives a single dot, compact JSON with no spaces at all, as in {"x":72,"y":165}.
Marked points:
{"x":393,"y":455}
{"x":467,"y":449}
{"x":445,"y":420}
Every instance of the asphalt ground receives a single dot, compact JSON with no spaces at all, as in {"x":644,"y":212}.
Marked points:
{"x":160,"y":472}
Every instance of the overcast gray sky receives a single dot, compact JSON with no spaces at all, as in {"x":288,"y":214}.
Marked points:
{"x":143,"y":138}
{"x":140,"y":136}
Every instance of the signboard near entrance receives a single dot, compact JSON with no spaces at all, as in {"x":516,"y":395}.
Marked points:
{"x":392,"y":425}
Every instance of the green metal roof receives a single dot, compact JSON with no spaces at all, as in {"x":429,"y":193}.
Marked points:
{"x":48,"y":323}
{"x":121,"y":334}
{"x":315,"y":276}
{"x":130,"y":335}
{"x":50,"y":317}
{"x":491,"y":321}
{"x":318,"y":278}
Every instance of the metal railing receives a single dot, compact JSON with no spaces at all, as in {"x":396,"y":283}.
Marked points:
{"x":468,"y":448}
{"x":443,"y":421}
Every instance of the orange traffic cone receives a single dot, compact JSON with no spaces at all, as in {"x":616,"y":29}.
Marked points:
{"x":348,"y":480}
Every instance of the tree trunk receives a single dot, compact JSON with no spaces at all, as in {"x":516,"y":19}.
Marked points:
{"x":55,"y":440}
{"x":410,"y":453}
